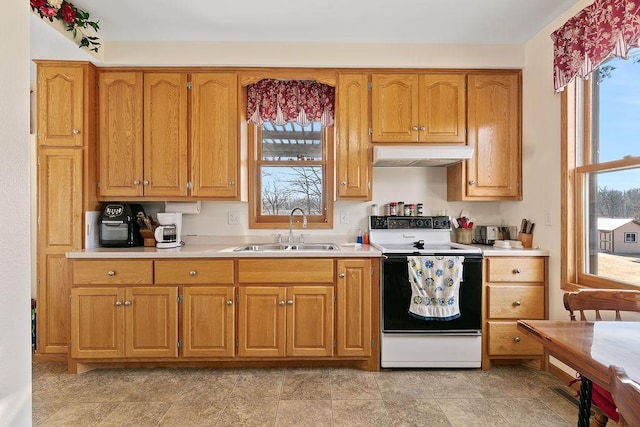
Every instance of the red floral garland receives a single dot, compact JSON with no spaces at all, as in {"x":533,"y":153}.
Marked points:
{"x":74,"y":19}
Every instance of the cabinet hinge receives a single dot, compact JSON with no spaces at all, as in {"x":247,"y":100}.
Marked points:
{"x":335,"y":298}
{"x":370,"y":131}
{"x":237,"y":300}
{"x":189,"y":185}
{"x":334,"y":344}
{"x":237,"y":342}
{"x":370,"y":85}
{"x":371,"y":342}
{"x":179,"y":299}
{"x":372,"y":271}
{"x":189,"y":85}
{"x":369,"y":185}
{"x":69,"y":298}
{"x":179,"y":343}
{"x":98,"y":184}
{"x":38,"y":161}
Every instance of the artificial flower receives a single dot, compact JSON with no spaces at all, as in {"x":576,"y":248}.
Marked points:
{"x":49,"y":11}
{"x":38,"y":3}
{"x":68,"y":14}
{"x":75,"y":20}
{"x":56,"y":4}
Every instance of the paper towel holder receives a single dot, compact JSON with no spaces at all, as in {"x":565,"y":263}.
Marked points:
{"x":183,"y":207}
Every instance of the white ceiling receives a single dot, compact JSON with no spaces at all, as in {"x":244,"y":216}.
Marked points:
{"x":328,"y":21}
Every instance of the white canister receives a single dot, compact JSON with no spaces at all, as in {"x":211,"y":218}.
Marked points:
{"x":374,"y":210}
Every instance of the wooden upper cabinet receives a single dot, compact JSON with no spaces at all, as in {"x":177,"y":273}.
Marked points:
{"x":214,"y":135}
{"x":61,"y":105}
{"x":427,"y":108}
{"x":120,"y":134}
{"x":165,"y":134}
{"x":494,"y":131}
{"x":353,"y":168}
{"x":442,"y":108}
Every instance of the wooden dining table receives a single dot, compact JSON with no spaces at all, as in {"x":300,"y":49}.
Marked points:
{"x":589,"y":348}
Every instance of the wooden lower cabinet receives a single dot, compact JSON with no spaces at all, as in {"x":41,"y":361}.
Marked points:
{"x":353,"y":316}
{"x":111,"y":322}
{"x":208,"y":325}
{"x":279,"y":321}
{"x":514,"y":288}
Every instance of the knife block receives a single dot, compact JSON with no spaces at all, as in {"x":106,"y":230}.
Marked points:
{"x":526,"y":239}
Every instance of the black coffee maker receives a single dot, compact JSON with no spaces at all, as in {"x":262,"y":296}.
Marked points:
{"x":118,"y":227}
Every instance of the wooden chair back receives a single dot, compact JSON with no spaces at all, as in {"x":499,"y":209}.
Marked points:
{"x":626,"y":395}
{"x":598,"y":300}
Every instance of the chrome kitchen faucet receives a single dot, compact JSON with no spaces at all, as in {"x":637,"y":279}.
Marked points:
{"x":304,"y":222}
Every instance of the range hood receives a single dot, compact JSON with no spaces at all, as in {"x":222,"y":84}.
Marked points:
{"x":420,"y":155}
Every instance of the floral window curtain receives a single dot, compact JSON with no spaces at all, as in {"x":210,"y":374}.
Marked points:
{"x":605,"y":28}
{"x":284,"y":101}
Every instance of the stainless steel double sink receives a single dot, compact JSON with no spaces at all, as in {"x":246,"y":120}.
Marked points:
{"x":276,"y":247}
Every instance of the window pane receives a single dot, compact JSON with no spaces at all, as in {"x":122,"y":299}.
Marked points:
{"x":292,"y":141}
{"x":612,"y":224}
{"x":617,"y":108}
{"x":287,"y":187}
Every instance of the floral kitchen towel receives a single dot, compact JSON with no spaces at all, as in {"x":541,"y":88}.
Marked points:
{"x":435,"y":286}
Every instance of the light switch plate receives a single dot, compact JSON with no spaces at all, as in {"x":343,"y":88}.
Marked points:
{"x":233,"y":217}
{"x":344,"y":217}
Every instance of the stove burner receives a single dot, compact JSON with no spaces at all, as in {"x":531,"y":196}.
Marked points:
{"x":419,"y":244}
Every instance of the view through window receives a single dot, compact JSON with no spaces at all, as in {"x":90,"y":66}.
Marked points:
{"x":610,"y":174}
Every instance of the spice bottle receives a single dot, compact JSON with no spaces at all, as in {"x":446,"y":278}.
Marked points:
{"x":401,"y":208}
{"x":420,"y":209}
{"x":393,"y":209}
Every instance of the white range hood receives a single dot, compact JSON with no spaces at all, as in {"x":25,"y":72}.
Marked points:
{"x":420,"y":155}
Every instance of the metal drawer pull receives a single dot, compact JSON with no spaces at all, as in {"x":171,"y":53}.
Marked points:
{"x":517,"y":339}
{"x":290,"y":302}
{"x":229,"y":302}
{"x":517,"y":271}
{"x":76,"y":131}
{"x":127,"y":303}
{"x":118,"y":303}
{"x":193,"y":273}
{"x":517,"y":303}
{"x":341,"y":275}
{"x":414,"y":127}
{"x":111,"y":273}
{"x":280,"y":302}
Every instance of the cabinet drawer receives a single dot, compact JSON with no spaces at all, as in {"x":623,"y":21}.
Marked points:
{"x":512,"y":269}
{"x":516,"y":302}
{"x":113,"y":272}
{"x":172,"y":272}
{"x":285,"y":271}
{"x":505,"y":339}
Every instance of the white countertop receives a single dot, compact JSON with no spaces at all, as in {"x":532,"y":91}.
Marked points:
{"x":488,"y":250}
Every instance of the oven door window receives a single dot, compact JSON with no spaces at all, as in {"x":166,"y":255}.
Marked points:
{"x":396,"y":297}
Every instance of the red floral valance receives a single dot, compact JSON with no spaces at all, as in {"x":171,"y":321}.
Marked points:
{"x":284,"y":101}
{"x":605,"y":28}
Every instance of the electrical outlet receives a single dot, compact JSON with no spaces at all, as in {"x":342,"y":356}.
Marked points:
{"x":233,"y":217}
{"x":344,"y":217}
{"x":548,"y":218}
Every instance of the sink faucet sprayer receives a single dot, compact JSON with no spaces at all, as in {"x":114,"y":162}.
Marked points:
{"x":304,"y":222}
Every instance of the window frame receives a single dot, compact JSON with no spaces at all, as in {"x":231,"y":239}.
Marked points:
{"x":259,"y":221}
{"x":577,"y":113}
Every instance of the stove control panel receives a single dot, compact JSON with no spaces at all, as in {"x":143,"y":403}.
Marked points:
{"x":409,"y":222}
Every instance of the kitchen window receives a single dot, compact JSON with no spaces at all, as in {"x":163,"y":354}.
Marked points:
{"x":601,"y":177}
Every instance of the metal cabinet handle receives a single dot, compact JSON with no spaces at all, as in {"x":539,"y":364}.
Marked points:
{"x":232,"y":183}
{"x":290,"y":302}
{"x":341,"y":275}
{"x":517,"y":339}
{"x":472,"y":182}
{"x":343,"y":182}
{"x":281,"y":302}
{"x":193,"y":273}
{"x":517,"y":271}
{"x":517,"y":303}
{"x":229,"y":302}
{"x":145,"y":182}
{"x":136,"y":182}
{"x":111,"y":273}
{"x":127,"y":303}
{"x":423,"y":128}
{"x":76,"y":131}
{"x":414,"y":127}
{"x":118,"y":303}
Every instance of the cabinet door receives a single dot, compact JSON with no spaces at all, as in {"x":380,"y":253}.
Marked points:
{"x":97,"y":322}
{"x":120,"y":134}
{"x":261,"y":321}
{"x":165,"y":134}
{"x":353,"y":167}
{"x":442,"y":108}
{"x":214,"y":128}
{"x":60,"y":105}
{"x":310,"y":321}
{"x":60,"y":190}
{"x":354,"y":307}
{"x":208,"y":321}
{"x":394,"y":107}
{"x":151,"y":319}
{"x":494,"y":133}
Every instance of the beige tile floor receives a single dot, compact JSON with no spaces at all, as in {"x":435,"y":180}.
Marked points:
{"x":502,"y":396}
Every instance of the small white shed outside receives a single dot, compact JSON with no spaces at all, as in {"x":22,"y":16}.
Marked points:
{"x":618,"y":235}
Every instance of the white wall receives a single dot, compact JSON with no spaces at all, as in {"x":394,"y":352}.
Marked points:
{"x":15,"y":323}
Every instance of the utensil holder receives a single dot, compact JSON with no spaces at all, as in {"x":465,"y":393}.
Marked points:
{"x":464,"y":235}
{"x":526,"y":239}
{"x":148,"y":238}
